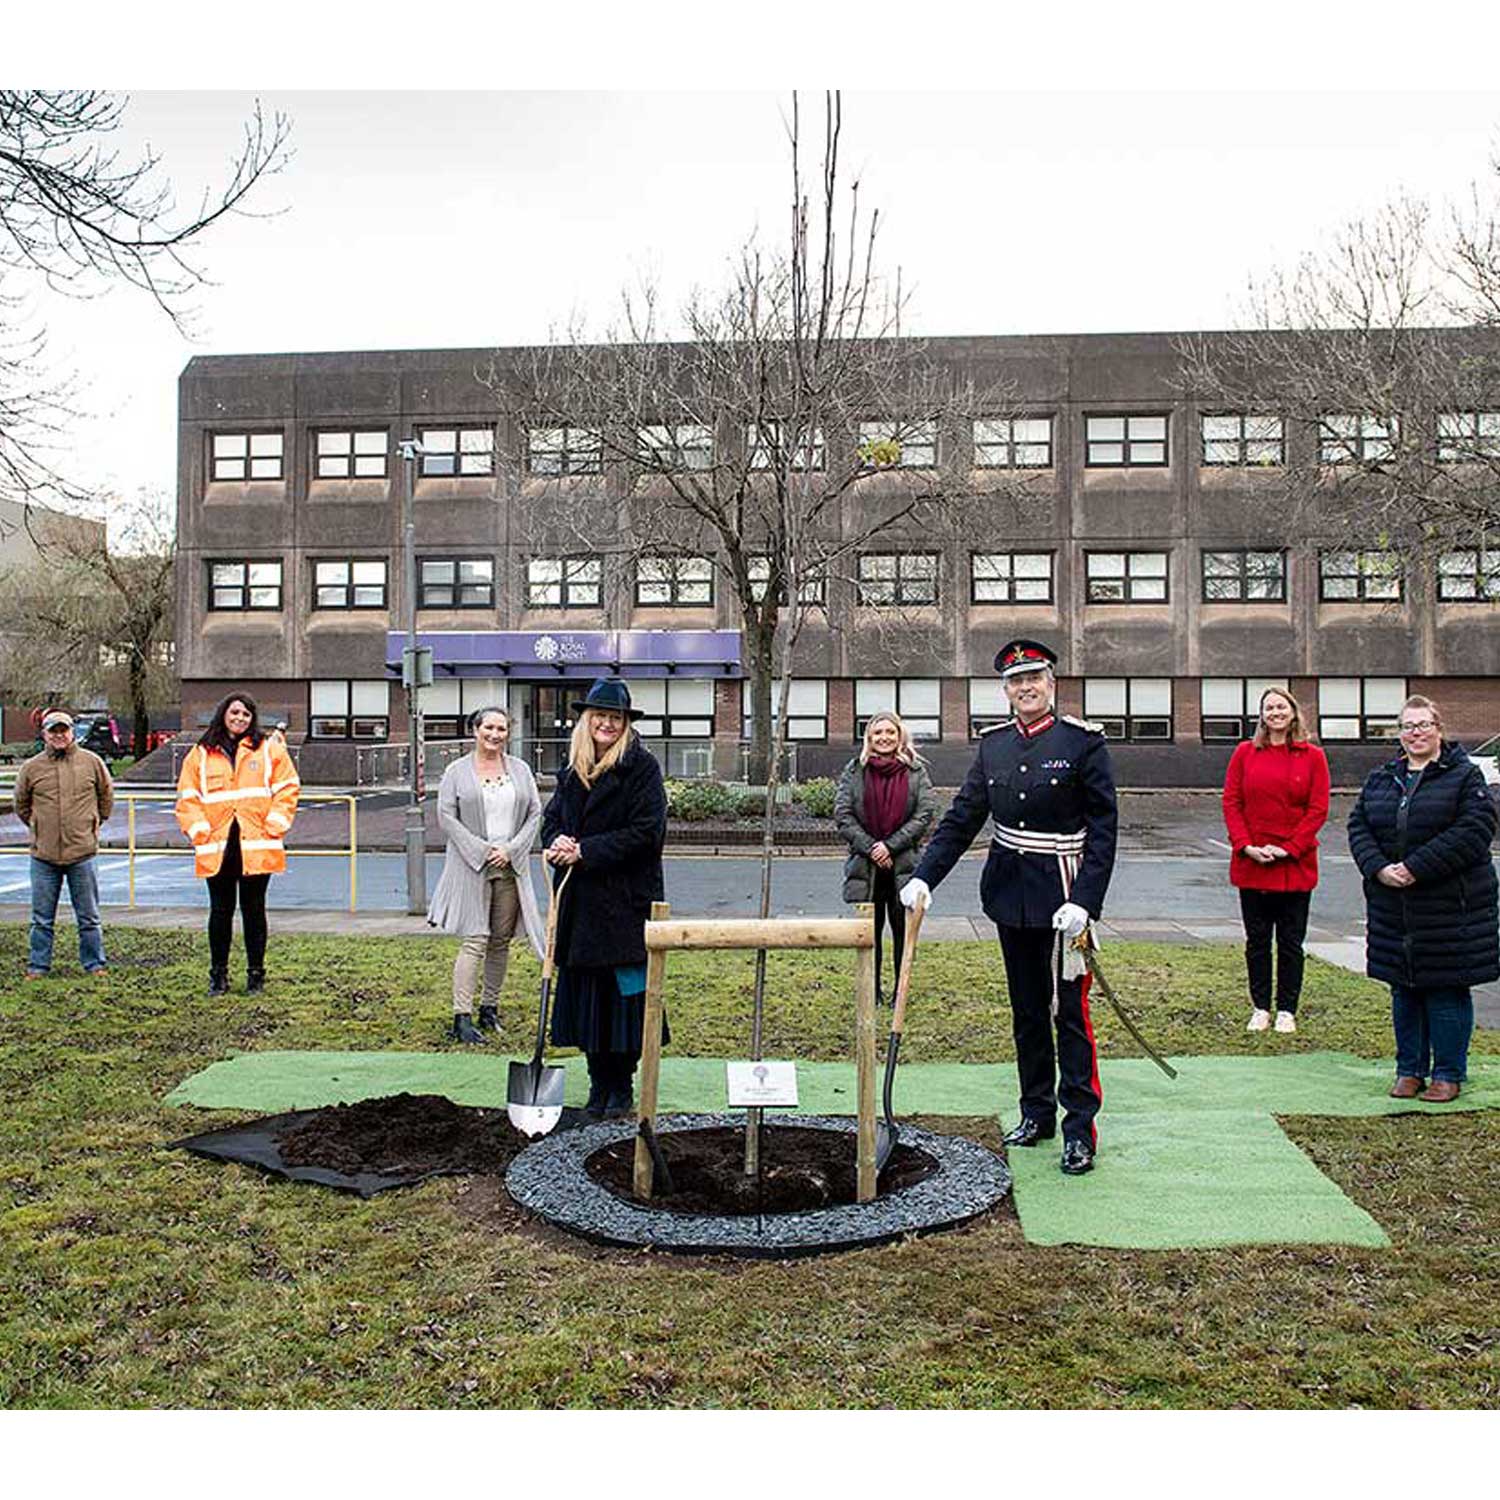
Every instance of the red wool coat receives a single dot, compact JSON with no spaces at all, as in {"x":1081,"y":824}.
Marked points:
{"x":1276,"y":795}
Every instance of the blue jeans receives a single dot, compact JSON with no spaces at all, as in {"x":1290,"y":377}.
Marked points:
{"x":1432,"y":1026}
{"x":83,"y":891}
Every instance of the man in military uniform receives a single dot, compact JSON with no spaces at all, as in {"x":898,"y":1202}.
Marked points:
{"x":1046,"y":780}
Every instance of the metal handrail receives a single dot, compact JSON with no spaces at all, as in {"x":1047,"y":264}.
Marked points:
{"x":133,"y":851}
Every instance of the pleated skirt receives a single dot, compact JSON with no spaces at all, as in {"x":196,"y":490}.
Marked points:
{"x":589,"y":1012}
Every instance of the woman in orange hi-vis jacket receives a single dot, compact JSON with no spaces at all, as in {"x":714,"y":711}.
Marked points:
{"x":236,"y":798}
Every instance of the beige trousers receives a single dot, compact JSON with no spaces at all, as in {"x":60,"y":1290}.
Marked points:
{"x":489,"y":952}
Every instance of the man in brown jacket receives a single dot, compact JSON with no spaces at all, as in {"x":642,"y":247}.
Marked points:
{"x":63,"y":795}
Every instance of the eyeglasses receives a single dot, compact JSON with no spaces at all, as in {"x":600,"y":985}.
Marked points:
{"x":1418,"y":727}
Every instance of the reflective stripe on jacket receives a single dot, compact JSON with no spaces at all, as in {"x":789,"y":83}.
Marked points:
{"x":260,"y":790}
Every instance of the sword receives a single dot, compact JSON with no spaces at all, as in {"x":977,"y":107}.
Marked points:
{"x":1084,"y":943}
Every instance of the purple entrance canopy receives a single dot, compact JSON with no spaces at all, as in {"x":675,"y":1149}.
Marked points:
{"x":547,"y":654}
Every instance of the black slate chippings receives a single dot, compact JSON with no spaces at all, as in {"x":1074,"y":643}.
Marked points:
{"x":549,"y":1179}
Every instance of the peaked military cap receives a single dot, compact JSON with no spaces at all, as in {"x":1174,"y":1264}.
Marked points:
{"x":1024,"y":656}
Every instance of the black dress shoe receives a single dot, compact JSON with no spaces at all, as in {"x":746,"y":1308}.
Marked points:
{"x":1029,"y":1132}
{"x":1077,"y":1158}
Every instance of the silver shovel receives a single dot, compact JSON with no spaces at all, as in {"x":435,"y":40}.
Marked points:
{"x":534,"y":1093}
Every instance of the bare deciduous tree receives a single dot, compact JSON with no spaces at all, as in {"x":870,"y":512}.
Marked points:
{"x":1380,"y":356}
{"x":78,"y":217}
{"x":786,"y":429}
{"x":90,"y":621}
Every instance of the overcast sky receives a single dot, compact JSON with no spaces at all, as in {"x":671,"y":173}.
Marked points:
{"x":471,"y":219}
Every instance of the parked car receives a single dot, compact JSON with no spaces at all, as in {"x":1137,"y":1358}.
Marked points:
{"x":99,"y":732}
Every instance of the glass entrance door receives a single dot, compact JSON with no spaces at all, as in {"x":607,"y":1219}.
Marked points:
{"x":546,"y":722}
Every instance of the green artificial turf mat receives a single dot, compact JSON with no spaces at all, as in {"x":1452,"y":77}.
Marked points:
{"x":1194,"y":1161}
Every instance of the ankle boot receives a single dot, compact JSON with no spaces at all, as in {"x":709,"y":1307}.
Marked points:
{"x":255,"y":981}
{"x":463,"y":1029}
{"x":489,"y":1018}
{"x":598,"y":1085}
{"x":218,"y":982}
{"x":621,"y":1098}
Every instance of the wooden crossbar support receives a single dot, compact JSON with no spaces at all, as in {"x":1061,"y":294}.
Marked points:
{"x":772,"y":932}
{"x":857,"y":932}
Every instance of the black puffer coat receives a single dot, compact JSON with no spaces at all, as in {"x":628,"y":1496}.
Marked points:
{"x":620,"y":825}
{"x":1443,"y":930}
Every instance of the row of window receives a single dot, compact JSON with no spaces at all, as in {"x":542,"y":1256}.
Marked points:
{"x":1128,"y":440}
{"x":1130,"y":709}
{"x":885,"y":579}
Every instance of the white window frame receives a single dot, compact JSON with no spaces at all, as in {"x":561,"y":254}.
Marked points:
{"x":1013,"y":442}
{"x":1346,"y":715}
{"x":918,"y":701}
{"x":807,"y":710}
{"x":907,"y":572}
{"x":1127,"y":440}
{"x":572,"y":581}
{"x":361,"y":712}
{"x":678,"y":575}
{"x":1137,"y":577}
{"x":246,"y":455}
{"x":918,"y":441}
{"x":351,"y":453}
{"x":1129,"y":709}
{"x":457,"y":452}
{"x":997,"y":573}
{"x":1357,"y":437}
{"x":1234,"y":710}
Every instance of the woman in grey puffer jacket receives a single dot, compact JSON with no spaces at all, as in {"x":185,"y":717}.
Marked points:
{"x":884,"y":807}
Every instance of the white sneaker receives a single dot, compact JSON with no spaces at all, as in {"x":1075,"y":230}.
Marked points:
{"x":1260,"y":1020}
{"x":1285,"y":1021}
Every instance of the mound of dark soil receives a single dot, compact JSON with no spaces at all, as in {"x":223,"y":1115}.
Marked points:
{"x":801,"y":1169}
{"x":403,"y":1135}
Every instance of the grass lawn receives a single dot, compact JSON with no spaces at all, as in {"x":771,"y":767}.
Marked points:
{"x":136,"y":1276}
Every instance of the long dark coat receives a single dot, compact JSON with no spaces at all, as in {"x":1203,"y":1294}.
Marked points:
{"x":1442,"y":931}
{"x":621,"y":825}
{"x":849,"y":819}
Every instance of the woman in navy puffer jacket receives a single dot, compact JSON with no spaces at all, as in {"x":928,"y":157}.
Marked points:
{"x":1420,"y":834}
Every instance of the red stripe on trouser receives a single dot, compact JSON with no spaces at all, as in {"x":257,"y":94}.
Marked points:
{"x":1088,"y":1028}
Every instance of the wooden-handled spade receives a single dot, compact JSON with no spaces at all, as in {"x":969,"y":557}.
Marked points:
{"x":534,"y":1094}
{"x":886,"y":1133}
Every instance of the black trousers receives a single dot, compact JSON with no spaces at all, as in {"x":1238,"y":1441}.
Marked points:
{"x":1283,"y":913}
{"x":1067,"y":1074}
{"x":223,"y":888}
{"x":887,"y":901}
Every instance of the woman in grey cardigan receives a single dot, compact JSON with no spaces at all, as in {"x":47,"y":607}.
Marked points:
{"x":489,"y":809}
{"x":883,"y":810}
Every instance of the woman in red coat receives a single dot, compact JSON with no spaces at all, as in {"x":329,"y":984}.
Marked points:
{"x":1275,"y":801}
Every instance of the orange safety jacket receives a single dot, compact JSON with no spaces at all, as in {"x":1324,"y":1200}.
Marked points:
{"x":260,"y":790}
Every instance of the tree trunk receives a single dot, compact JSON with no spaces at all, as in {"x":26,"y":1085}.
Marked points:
{"x":760,"y":664}
{"x":140,"y":731}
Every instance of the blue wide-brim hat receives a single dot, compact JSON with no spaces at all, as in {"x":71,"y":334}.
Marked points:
{"x":610,"y":693}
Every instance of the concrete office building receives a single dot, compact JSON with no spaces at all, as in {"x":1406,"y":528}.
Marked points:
{"x":1160,"y":565}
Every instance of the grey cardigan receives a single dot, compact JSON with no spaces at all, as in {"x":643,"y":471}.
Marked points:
{"x":461,"y":902}
{"x":849,"y":819}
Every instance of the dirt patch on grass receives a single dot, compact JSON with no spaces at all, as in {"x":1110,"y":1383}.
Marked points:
{"x":404,"y":1135}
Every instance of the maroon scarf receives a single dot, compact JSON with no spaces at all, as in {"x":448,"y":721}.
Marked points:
{"x":886,"y":785}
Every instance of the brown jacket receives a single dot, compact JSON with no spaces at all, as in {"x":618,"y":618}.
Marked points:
{"x":63,"y":799}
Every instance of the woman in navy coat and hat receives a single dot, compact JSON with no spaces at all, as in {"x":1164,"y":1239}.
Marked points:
{"x":607,"y":820}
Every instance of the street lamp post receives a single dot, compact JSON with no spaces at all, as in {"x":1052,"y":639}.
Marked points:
{"x":413,"y":676}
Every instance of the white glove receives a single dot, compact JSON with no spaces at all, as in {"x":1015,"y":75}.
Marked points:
{"x":916,"y":893}
{"x":1069,"y":919}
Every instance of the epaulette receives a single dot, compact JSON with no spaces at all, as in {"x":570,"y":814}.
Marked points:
{"x":991,"y":728}
{"x":1077,"y":723}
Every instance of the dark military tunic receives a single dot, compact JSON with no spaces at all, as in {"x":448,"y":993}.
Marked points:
{"x":1055,"y":782}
